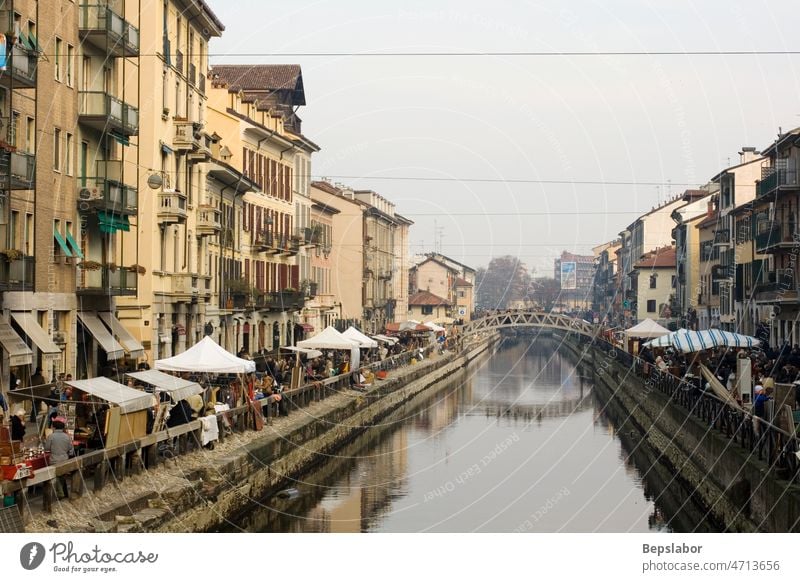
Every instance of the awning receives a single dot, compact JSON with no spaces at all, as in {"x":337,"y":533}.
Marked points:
{"x":128,"y":399}
{"x":62,"y":243}
{"x":177,"y":388}
{"x":19,"y":354}
{"x":33,"y":330}
{"x":76,"y":249}
{"x":100,"y":332}
{"x":132,"y":347}
{"x":307,"y":327}
{"x":111,"y":223}
{"x":165,"y":149}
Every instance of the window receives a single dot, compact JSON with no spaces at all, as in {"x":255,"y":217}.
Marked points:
{"x":651,"y":306}
{"x":428,"y":309}
{"x":68,"y":162}
{"x":13,"y":229}
{"x":461,"y":295}
{"x":28,"y":242}
{"x":674,"y":281}
{"x":30,"y":135}
{"x":69,"y":64}
{"x":57,"y":149}
{"x":653,"y":281}
{"x":13,"y":127}
{"x":57,"y":57}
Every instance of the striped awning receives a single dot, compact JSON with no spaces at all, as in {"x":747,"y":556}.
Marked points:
{"x":694,"y":341}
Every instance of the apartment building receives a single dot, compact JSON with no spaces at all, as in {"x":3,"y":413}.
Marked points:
{"x":444,"y":278}
{"x":656,"y":275}
{"x":605,"y":292}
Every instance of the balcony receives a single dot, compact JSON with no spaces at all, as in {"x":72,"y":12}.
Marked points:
{"x":722,"y":273}
{"x":209,"y":221}
{"x":187,"y":136}
{"x":104,"y":281}
{"x":262,"y":241}
{"x":21,"y":68}
{"x":184,"y":284}
{"x":775,"y":179}
{"x":17,"y":275}
{"x":231,"y":300}
{"x":171,"y":207}
{"x":107,"y":30}
{"x":280,"y":301}
{"x":776,"y":238}
{"x":105,"y":113}
{"x":107,"y":191}
{"x":16,"y":170}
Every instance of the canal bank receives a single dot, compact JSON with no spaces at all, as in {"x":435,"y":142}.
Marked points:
{"x":199,"y":491}
{"x":741,"y":492}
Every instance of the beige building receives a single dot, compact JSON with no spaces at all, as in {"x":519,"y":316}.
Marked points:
{"x":425,"y":306}
{"x":448,"y":279}
{"x":656,"y":280}
{"x":322,"y":308}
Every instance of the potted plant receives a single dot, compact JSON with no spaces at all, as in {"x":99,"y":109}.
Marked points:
{"x":136,"y":269}
{"x":112,"y":267}
{"x":91,"y":265}
{"x":12,"y":254}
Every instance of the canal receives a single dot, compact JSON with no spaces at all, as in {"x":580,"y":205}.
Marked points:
{"x":518,"y":442}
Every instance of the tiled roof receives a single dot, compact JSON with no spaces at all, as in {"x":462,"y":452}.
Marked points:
{"x":459,"y":282}
{"x":664,"y":257}
{"x":426,"y":298}
{"x":326,"y":187}
{"x":249,"y":78}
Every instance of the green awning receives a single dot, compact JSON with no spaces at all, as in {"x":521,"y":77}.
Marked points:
{"x":34,"y":43}
{"x":111,"y":223}
{"x":121,"y":139}
{"x":74,"y":244}
{"x":62,"y":243}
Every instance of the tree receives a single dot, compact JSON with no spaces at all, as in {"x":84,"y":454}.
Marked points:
{"x":504,"y":281}
{"x":545,"y":292}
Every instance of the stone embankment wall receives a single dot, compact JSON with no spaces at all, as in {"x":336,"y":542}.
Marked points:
{"x":731,"y":483}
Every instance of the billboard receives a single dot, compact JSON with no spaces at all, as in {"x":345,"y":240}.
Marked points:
{"x":569,"y":275}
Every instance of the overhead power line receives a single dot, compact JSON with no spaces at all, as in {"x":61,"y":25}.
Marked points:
{"x":653,"y":53}
{"x":511,"y":180}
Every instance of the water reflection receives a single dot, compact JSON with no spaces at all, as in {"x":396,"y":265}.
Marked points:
{"x":520,"y":442}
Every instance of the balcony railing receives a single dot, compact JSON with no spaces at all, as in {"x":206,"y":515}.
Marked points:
{"x":107,"y":191}
{"x":234,"y":300}
{"x":104,"y":112}
{"x":104,"y":281}
{"x":209,"y":220}
{"x":172,"y":206}
{"x":107,"y":30}
{"x":16,"y":170}
{"x":17,"y":275}
{"x":187,"y":137}
{"x":773,"y":179}
{"x":280,"y":301}
{"x":22,"y":67}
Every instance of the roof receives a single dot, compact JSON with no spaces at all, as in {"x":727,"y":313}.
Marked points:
{"x":790,"y":137}
{"x":662,"y":258}
{"x":261,"y":78}
{"x":426,"y":298}
{"x":459,"y":282}
{"x":326,"y":187}
{"x":321,"y":206}
{"x":442,"y":257}
{"x":693,"y":195}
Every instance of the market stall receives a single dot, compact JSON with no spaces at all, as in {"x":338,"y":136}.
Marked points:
{"x":331,"y":339}
{"x":208,"y":357}
{"x":365,"y":341}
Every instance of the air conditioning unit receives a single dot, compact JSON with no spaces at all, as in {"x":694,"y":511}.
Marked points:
{"x":89,"y":194}
{"x":59,"y":337}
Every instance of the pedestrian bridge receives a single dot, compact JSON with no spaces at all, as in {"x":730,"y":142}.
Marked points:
{"x":535,"y":319}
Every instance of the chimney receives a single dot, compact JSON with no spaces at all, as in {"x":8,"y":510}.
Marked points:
{"x":748,"y":154}
{"x":710,"y":208}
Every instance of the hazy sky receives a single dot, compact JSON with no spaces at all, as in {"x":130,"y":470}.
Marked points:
{"x":643,"y":119}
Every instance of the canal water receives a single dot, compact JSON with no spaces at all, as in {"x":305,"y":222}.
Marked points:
{"x":518,"y":442}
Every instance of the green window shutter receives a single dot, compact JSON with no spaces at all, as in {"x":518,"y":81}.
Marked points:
{"x":74,"y":244}
{"x":62,"y":243}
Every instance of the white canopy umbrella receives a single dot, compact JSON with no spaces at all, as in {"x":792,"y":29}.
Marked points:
{"x":646,"y":329}
{"x":433,"y":327}
{"x":178,"y":388}
{"x":330,"y":339}
{"x":206,"y":356}
{"x":365,"y":341}
{"x":694,"y":341}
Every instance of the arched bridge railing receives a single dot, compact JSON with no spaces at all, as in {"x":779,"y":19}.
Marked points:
{"x":510,"y":319}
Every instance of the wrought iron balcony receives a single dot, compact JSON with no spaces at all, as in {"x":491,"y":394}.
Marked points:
{"x":104,"y":113}
{"x":17,"y":274}
{"x":209,"y":220}
{"x":21,"y":68}
{"x":280,"y":301}
{"x":238,"y":300}
{"x":16,"y":170}
{"x":99,"y":25}
{"x":775,"y":179}
{"x":104,"y":281}
{"x":171,"y":206}
{"x":107,"y":191}
{"x":777,"y":237}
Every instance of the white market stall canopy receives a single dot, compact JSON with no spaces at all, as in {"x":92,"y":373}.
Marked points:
{"x":694,"y":341}
{"x":206,"y":356}
{"x":178,"y":388}
{"x":385,"y":339}
{"x":328,"y":339}
{"x":128,"y":399}
{"x":647,"y":328}
{"x":433,"y":327}
{"x":308,"y":353}
{"x":353,"y":334}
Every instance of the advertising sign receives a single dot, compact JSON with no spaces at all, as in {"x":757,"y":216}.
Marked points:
{"x":569,"y":275}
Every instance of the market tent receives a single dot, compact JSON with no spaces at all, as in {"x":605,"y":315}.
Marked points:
{"x":385,"y":339}
{"x":206,"y":356}
{"x":328,"y":339}
{"x":646,"y":329}
{"x":694,"y":341}
{"x":128,"y":399}
{"x":177,"y":388}
{"x":308,"y":353}
{"x":410,"y":325}
{"x":365,"y":341}
{"x":433,"y":327}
